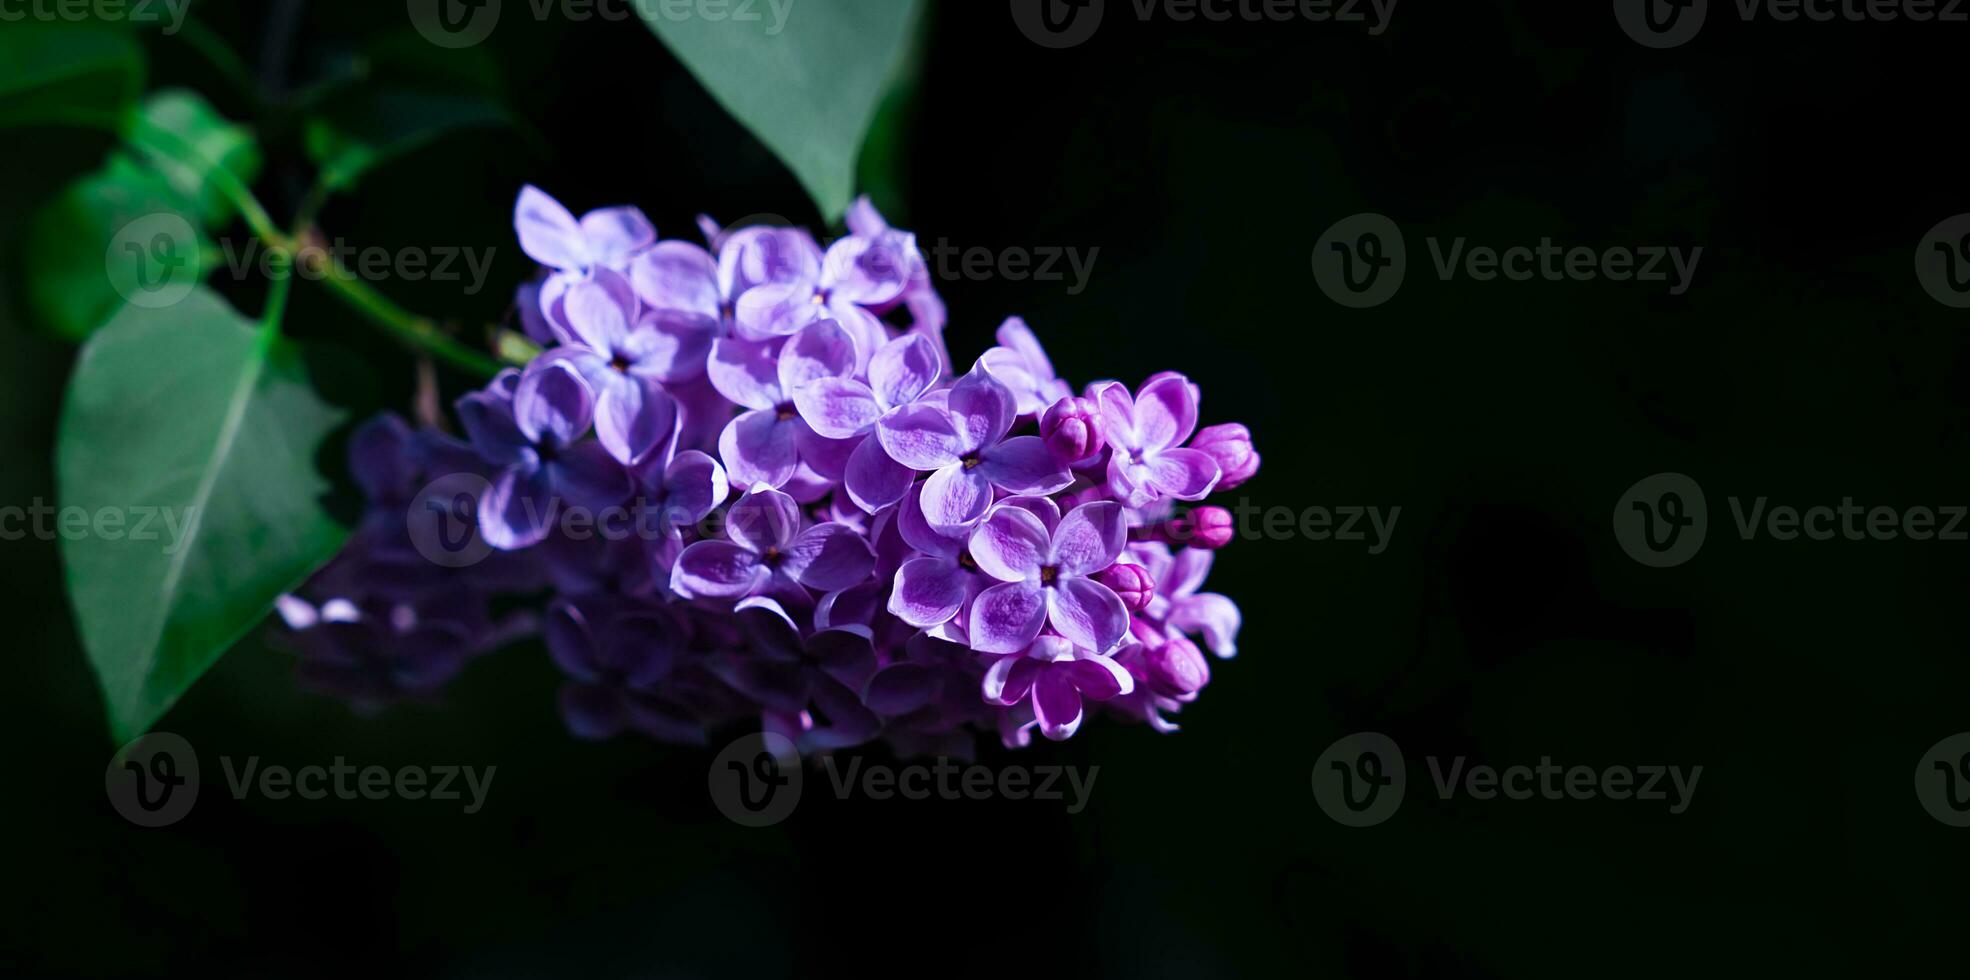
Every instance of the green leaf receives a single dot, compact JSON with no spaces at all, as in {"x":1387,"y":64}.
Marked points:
{"x":79,"y":247}
{"x":191,"y":417}
{"x":205,"y":141}
{"x":362,"y":133}
{"x":54,"y":71}
{"x":809,"y":90}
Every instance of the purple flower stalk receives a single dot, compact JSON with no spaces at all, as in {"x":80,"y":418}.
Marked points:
{"x":759,"y":493}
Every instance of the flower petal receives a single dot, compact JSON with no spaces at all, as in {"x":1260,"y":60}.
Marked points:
{"x":586,"y":476}
{"x":599,"y":311}
{"x":1009,"y":679}
{"x":820,"y":350}
{"x":918,"y":533}
{"x":758,"y":450}
{"x":1098,"y":678}
{"x":1213,"y":615}
{"x":901,"y":688}
{"x":1165,"y":412}
{"x":921,"y":437}
{"x":775,"y":309}
{"x":983,"y":409}
{"x":746,"y":372}
{"x":875,"y":481}
{"x":1091,"y":537}
{"x":633,"y":418}
{"x":1023,"y":464}
{"x":1088,"y":613}
{"x":838,"y":408}
{"x":615,"y":234}
{"x":1186,"y":474}
{"x":828,"y":557}
{"x":677,"y":276}
{"x":929,"y":591}
{"x":548,"y":232}
{"x":955,"y":497}
{"x":1056,"y":704}
{"x":518,"y":509}
{"x":719,"y":569}
{"x":1010,"y":545}
{"x":693,"y":486}
{"x":763,"y":519}
{"x":903,"y":369}
{"x":1006,"y":617}
{"x":553,"y":404}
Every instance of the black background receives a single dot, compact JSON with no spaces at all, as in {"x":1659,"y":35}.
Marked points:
{"x":1502,"y":624}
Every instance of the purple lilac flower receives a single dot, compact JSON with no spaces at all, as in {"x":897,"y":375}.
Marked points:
{"x":1177,"y":601}
{"x":532,"y":436}
{"x":965,"y":446}
{"x":767,"y":551}
{"x":767,"y":445}
{"x":844,"y":600}
{"x":841,"y":407}
{"x":604,"y":238}
{"x":1057,"y":676}
{"x":1144,"y":432}
{"x":1022,"y":364}
{"x":625,"y":359}
{"x":618,"y":663}
{"x":1045,"y":565}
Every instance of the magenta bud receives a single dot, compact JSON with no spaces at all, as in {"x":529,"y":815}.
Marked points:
{"x":1177,"y":669}
{"x":1231,"y":445}
{"x":1131,"y":582}
{"x":1204,"y":527}
{"x":1072,"y":429}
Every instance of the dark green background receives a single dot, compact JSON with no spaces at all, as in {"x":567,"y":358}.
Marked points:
{"x":1503,"y":623}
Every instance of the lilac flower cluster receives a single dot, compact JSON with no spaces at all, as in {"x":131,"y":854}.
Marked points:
{"x":834,"y":532}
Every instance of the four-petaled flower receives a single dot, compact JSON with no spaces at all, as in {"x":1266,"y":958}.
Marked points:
{"x":1044,"y":563}
{"x":964,"y":442}
{"x":767,"y":552}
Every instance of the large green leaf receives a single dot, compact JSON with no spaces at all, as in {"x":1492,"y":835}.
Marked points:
{"x":807,"y":84}
{"x":56,"y":71}
{"x":80,"y":247}
{"x":201,"y":141}
{"x":194,"y":419}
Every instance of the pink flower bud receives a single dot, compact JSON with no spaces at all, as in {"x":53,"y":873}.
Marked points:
{"x":1204,"y":527}
{"x":1072,"y":429}
{"x":1231,"y":446}
{"x":1177,"y":669}
{"x":1131,"y":582}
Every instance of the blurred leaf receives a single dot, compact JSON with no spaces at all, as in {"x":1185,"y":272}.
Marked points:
{"x":205,"y":140}
{"x":807,"y":84}
{"x":364,"y":132}
{"x":883,"y":171}
{"x":54,"y":71}
{"x":191,"y":415}
{"x":73,"y":239}
{"x":397,"y":97}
